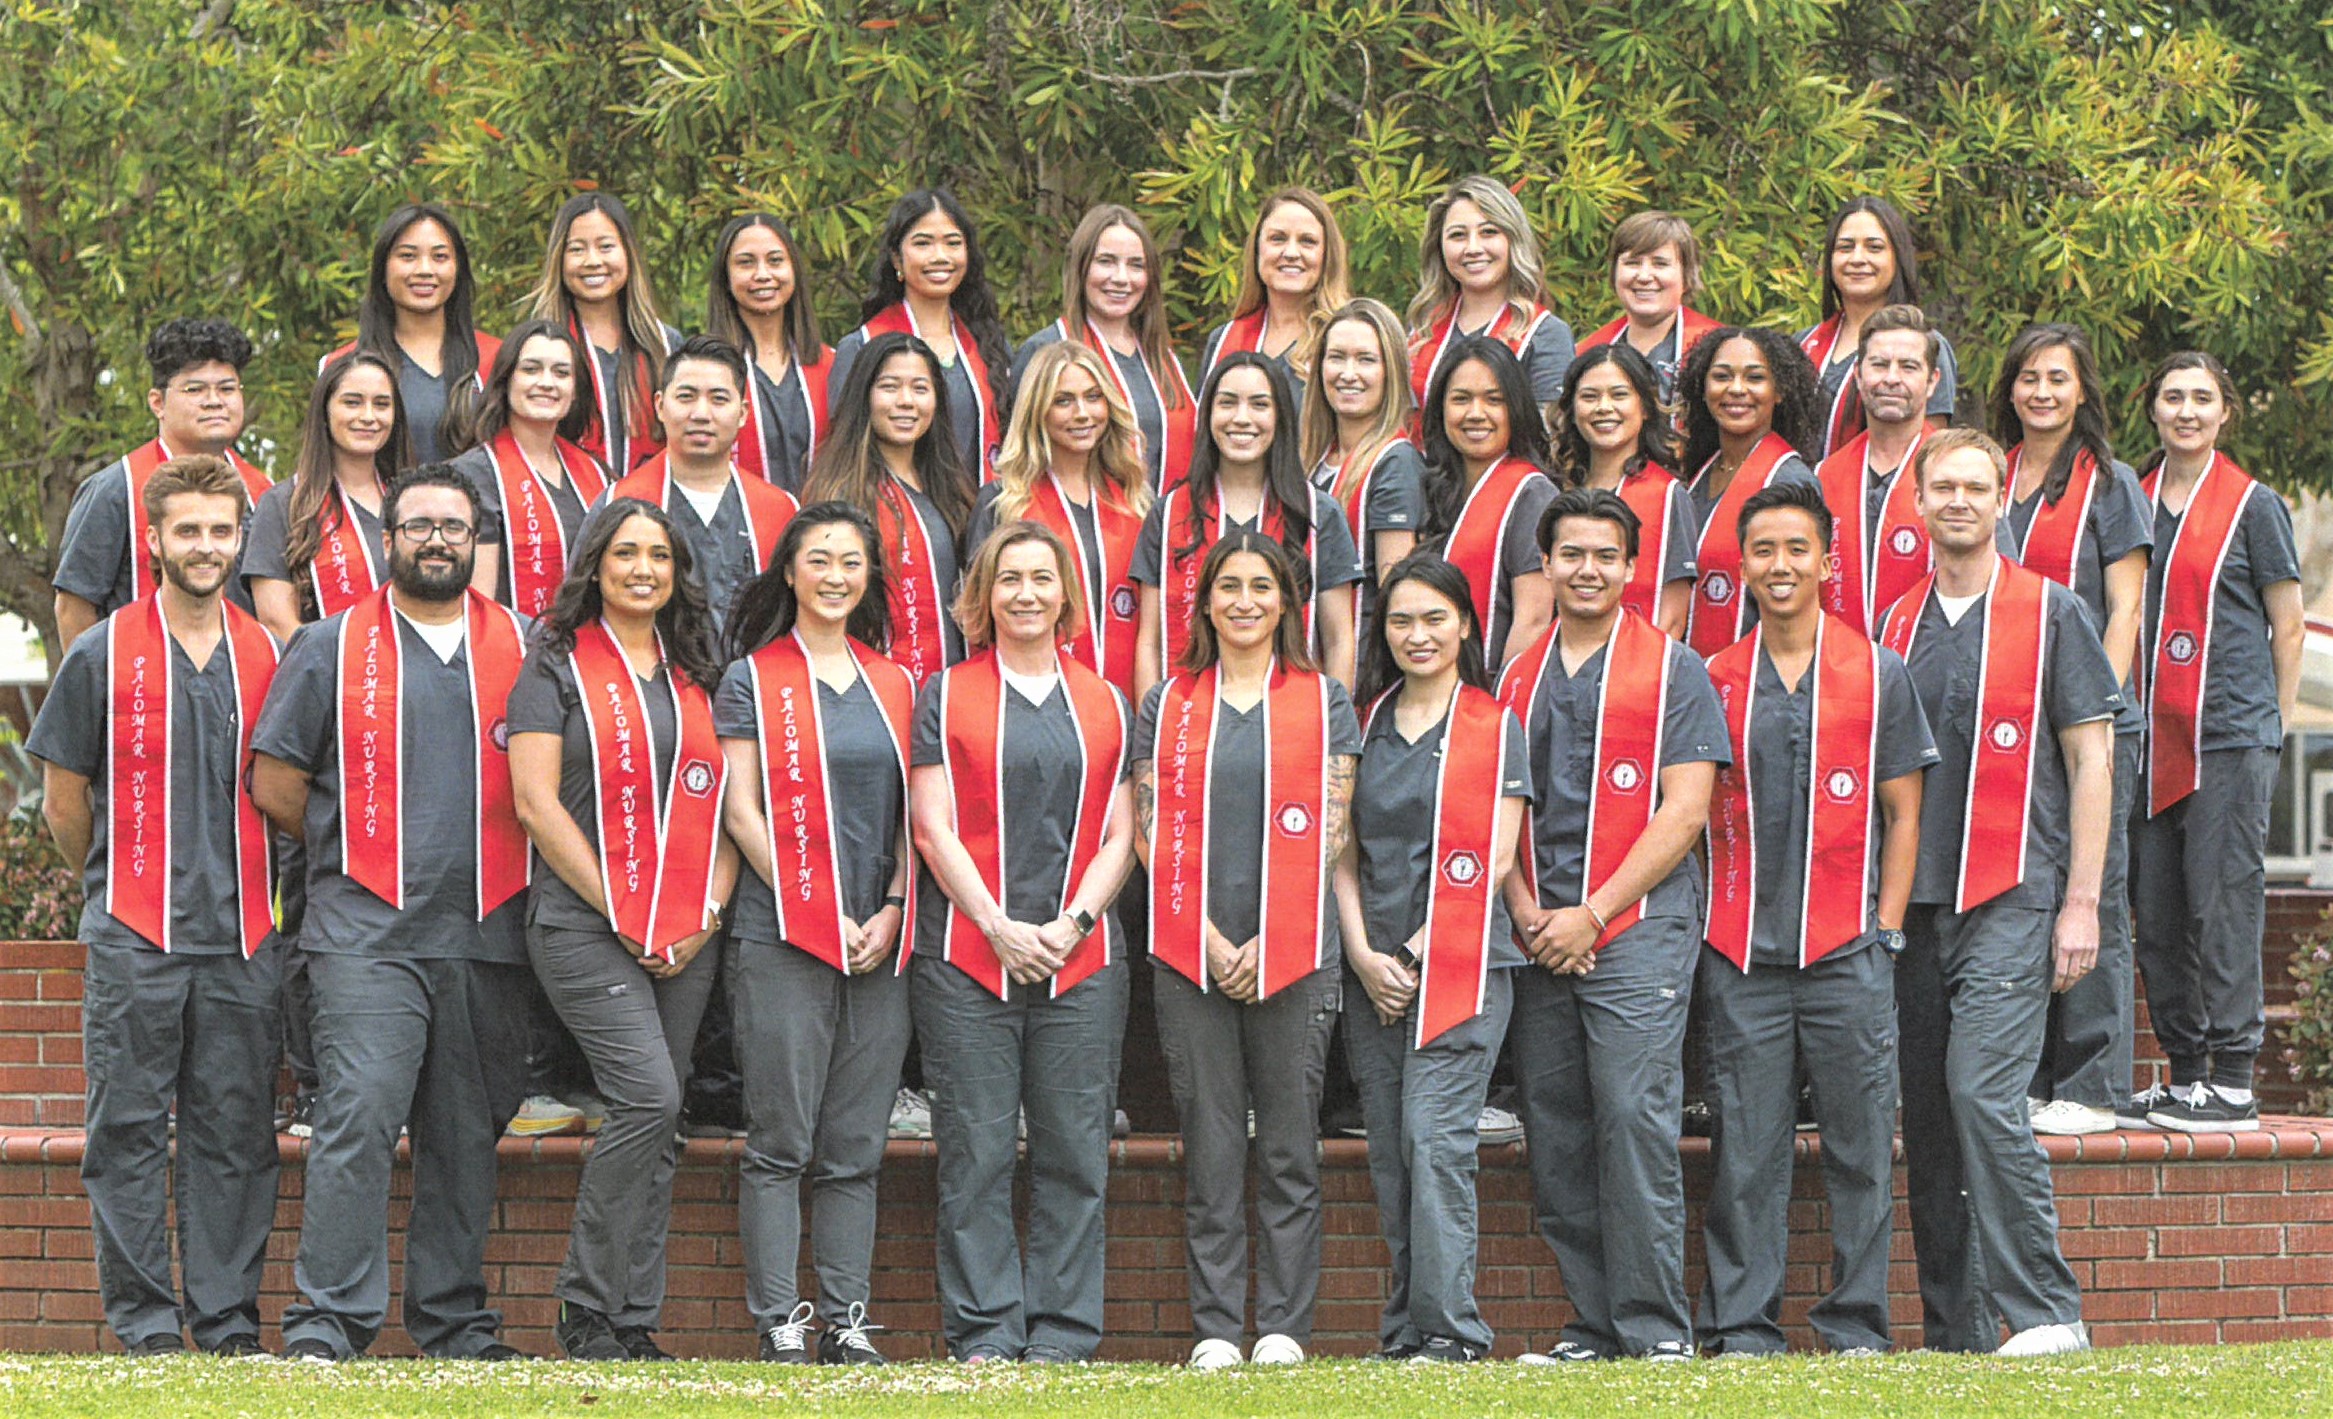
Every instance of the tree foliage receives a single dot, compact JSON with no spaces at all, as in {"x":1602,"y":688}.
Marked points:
{"x":2161,"y":174}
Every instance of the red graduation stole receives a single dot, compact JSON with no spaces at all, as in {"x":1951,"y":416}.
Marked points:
{"x":138,"y":467}
{"x":1242,"y":334}
{"x":1720,"y":608}
{"x":1876,"y":565}
{"x":919,"y":604}
{"x":1182,"y":421}
{"x":753,"y":453}
{"x":972,"y":707}
{"x":1513,"y":327}
{"x":346,"y":570}
{"x":1692,"y":325}
{"x":2174,"y":664}
{"x":1350,"y":480}
{"x":1106,"y":642}
{"x":371,"y":751}
{"x":1992,"y":842}
{"x":797,"y":792}
{"x":1631,"y":709}
{"x":533,"y":542}
{"x":616,"y":442}
{"x":1480,"y":533}
{"x":656,"y":841}
{"x":138,"y":855}
{"x":1648,"y":492}
{"x":2053,"y":540}
{"x":1180,"y":596}
{"x":1835,"y":902}
{"x":1455,"y":967}
{"x":488,"y":347}
{"x":1295,"y":869}
{"x":1845,"y":419}
{"x":768,"y":507}
{"x":899,"y":318}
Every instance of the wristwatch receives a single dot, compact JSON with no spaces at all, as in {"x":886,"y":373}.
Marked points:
{"x":1083,"y":921}
{"x":1891,"y":940}
{"x":896,"y":901}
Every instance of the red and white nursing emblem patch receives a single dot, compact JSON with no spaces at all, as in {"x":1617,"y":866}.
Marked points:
{"x":1718,"y":587}
{"x":2005,"y":735}
{"x":696,"y":778}
{"x":1904,"y":542}
{"x":2181,"y":647}
{"x":1625,"y":776}
{"x":1294,"y":819}
{"x":498,"y":733}
{"x":1842,"y":784}
{"x":1462,"y":869}
{"x":1123,"y":604}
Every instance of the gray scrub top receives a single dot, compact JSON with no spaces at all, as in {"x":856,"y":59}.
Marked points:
{"x":2239,"y":708}
{"x":477,"y":465}
{"x":300,"y":725}
{"x":74,"y":732}
{"x":94,"y":553}
{"x":2119,"y":524}
{"x":956,"y":378}
{"x":264,"y":544}
{"x":1834,"y":376}
{"x":1133,"y":380}
{"x":1393,"y":830}
{"x":723,"y":549}
{"x":862,"y":774}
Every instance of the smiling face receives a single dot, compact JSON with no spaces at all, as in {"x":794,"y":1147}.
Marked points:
{"x":200,"y":407}
{"x":593,"y":263}
{"x":636,"y":571}
{"x":829,"y":574}
{"x":1742,"y":391}
{"x":1291,"y":245}
{"x":1863,"y":261}
{"x":1589,"y":566}
{"x":1475,"y":416}
{"x":1243,"y":603}
{"x":1651,"y":284}
{"x":1029,"y":596}
{"x":1243,"y":417}
{"x":1352,"y":369}
{"x":422,"y":268}
{"x":1607,"y":410}
{"x":363,"y":411}
{"x":195,"y":540}
{"x":542,"y":383}
{"x":933,"y":256}
{"x":1959,"y":497}
{"x":1423,"y":628}
{"x":436,"y":565}
{"x":702,"y":408}
{"x":2047,"y":391}
{"x":2189,"y":411}
{"x":761,"y":274}
{"x":1079,"y":413}
{"x":902,"y":400}
{"x":1894,"y":377}
{"x":1118,"y":275}
{"x":1474,"y":250}
{"x":1784,"y":562}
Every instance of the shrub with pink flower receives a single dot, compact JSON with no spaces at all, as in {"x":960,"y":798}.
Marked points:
{"x":40,"y":894}
{"x":2308,"y":1055}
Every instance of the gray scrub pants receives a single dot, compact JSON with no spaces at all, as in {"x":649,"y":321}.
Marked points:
{"x":1972,"y":993}
{"x":1420,"y":1107}
{"x":2086,"y":1051}
{"x":1599,"y":1075}
{"x":636,"y":1031}
{"x":1837,"y":1019}
{"x":2200,"y":887}
{"x":985,"y":1061}
{"x":203,"y":1031}
{"x":436,"y":1046}
{"x":821,"y":1053}
{"x":1223,"y":1059}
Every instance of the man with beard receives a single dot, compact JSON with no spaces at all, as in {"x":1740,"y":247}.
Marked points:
{"x":2021,"y":699}
{"x":1881,"y":546}
{"x":141,"y":738}
{"x":383,"y":742}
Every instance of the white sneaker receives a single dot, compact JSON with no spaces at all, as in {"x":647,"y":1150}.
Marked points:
{"x":1276,"y":1350}
{"x":2066,"y":1118}
{"x":541,"y":1116}
{"x":2045,"y":1340}
{"x":1495,"y":1125}
{"x":1214,"y":1355}
{"x":911,"y":1115}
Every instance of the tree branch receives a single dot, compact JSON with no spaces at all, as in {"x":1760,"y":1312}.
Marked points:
{"x":1146,"y":81}
{"x":13,"y":298}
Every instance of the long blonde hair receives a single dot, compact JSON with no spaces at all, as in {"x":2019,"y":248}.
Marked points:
{"x":1526,"y":270}
{"x":636,"y":299}
{"x":1393,"y":411}
{"x":1028,"y":449}
{"x":1149,"y":321}
{"x":1334,"y":289}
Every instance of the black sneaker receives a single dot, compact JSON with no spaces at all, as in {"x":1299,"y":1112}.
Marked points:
{"x":2204,"y":1109}
{"x":166,"y":1343}
{"x":312,"y":1350}
{"x":303,"y":1124}
{"x":1563,"y":1352}
{"x":1395,"y":1351}
{"x":1048,"y":1355}
{"x":586,"y":1335}
{"x":1444,"y":1350}
{"x":2132,"y":1112}
{"x":1671,"y":1351}
{"x":639,"y":1342}
{"x":238,"y":1347}
{"x":788,"y":1343}
{"x":496,"y":1353}
{"x":847,"y":1344}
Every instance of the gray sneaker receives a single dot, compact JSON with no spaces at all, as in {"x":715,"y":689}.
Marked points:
{"x":911,"y":1115}
{"x":1495,"y":1125}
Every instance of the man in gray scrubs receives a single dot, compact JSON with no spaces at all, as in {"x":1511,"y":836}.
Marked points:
{"x":1605,"y":1177}
{"x":1974,"y":982}
{"x":183,"y":1017}
{"x":1780,"y":987}
{"x":420,"y":1018}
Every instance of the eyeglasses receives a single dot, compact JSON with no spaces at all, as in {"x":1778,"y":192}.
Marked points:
{"x":201,"y":389}
{"x":419,"y":530}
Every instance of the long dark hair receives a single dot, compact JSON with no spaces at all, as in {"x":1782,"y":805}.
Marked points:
{"x":2189,"y":360}
{"x":644,"y":338}
{"x":1797,"y":394}
{"x":768,"y":606}
{"x":973,"y":302}
{"x":849,"y":467}
{"x":685,"y":624}
{"x":494,"y":406}
{"x":2089,"y":431}
{"x":1379,"y":671}
{"x":1284,"y":480}
{"x":1446,"y":480}
{"x":376,"y":316}
{"x":1288,"y":637}
{"x":312,"y":478}
{"x":1905,"y":289}
{"x":722,"y":316}
{"x":1656,"y":442}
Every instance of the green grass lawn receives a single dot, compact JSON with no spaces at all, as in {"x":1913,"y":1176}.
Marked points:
{"x":2291,"y":1381}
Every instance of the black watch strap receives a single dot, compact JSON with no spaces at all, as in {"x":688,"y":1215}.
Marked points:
{"x":1084,"y":921}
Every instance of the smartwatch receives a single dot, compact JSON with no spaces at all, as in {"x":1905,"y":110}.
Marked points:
{"x":1891,"y":940}
{"x":1083,"y":921}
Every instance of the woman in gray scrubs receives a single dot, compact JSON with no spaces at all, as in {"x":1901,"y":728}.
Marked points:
{"x":1243,"y":768}
{"x":815,"y":723}
{"x":1444,"y":771}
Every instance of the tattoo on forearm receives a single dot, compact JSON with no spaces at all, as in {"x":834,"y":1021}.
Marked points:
{"x":1340,"y":797}
{"x":1145,"y":800}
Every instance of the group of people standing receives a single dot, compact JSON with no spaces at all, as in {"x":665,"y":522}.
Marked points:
{"x":1497,"y":693}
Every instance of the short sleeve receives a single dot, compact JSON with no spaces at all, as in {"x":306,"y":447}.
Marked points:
{"x":2268,"y":539}
{"x":2081,"y":687}
{"x":1905,"y":746}
{"x":845,"y":350}
{"x":1547,"y":358}
{"x":1793,"y":469}
{"x":926,"y":738}
{"x":1339,"y":556}
{"x":263,"y":545}
{"x":734,"y":715}
{"x":1142,"y":743}
{"x":1029,"y":348}
{"x":1947,"y":395}
{"x":70,"y":732}
{"x":96,"y":542}
{"x":1683,"y":539}
{"x":542,"y":697}
{"x":1693,"y":728}
{"x":1397,"y":494}
{"x":982,"y":522}
{"x":1519,"y":554}
{"x":1149,"y":547}
{"x":297,"y":721}
{"x":2120,"y":515}
{"x":1344,"y":725}
{"x":477,"y":467}
{"x":1515,"y":761}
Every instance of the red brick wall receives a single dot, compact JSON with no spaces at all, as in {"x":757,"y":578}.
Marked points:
{"x":40,"y":1034}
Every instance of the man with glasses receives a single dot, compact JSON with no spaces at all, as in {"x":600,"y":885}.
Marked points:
{"x":197,"y":401}
{"x":383,"y":742}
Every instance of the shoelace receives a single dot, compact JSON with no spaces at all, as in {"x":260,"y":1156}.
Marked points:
{"x":2198,"y":1094}
{"x":794,"y":1333}
{"x":852,"y":1335}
